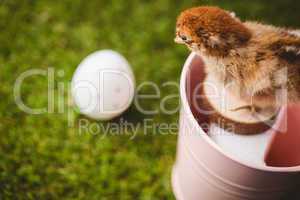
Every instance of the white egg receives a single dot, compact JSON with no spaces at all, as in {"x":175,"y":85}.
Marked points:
{"x":103,"y":85}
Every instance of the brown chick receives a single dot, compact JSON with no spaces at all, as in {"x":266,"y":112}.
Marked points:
{"x":260,"y":62}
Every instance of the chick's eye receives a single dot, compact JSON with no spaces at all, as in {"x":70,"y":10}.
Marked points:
{"x":183,"y":37}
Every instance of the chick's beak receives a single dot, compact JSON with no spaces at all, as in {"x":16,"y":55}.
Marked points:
{"x":178,"y":40}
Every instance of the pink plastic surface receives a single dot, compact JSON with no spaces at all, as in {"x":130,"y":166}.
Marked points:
{"x":284,"y":149}
{"x":203,"y":171}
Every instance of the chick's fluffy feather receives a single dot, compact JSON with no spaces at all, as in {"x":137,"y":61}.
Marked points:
{"x":260,"y":61}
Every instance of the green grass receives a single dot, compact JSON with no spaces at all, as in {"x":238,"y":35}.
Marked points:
{"x":41,"y":156}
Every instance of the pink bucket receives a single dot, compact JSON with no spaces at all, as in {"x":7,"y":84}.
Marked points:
{"x":204,"y":172}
